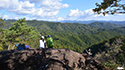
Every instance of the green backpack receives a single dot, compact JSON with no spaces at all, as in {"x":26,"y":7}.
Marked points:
{"x":50,"y":43}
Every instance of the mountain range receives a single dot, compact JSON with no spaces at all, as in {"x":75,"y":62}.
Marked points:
{"x":91,"y":21}
{"x":105,"y":39}
{"x":76,"y":34}
{"x":81,"y":22}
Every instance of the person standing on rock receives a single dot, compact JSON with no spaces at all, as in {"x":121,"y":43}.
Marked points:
{"x":42,"y":42}
{"x":49,"y":41}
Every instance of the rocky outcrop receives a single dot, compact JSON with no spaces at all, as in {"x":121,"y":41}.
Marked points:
{"x":47,"y":59}
{"x":91,"y":63}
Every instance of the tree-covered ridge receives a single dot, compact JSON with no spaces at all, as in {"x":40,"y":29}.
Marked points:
{"x":105,"y":25}
{"x":71,"y":36}
{"x":62,"y":27}
{"x":77,"y":37}
{"x":110,"y":52}
{"x":68,"y":27}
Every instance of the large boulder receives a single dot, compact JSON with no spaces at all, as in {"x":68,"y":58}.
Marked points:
{"x":47,"y":59}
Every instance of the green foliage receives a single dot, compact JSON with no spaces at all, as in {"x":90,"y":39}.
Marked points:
{"x":78,"y":37}
{"x":105,"y":44}
{"x":19,"y":33}
{"x":1,"y":49}
{"x":2,"y":22}
{"x":104,"y":25}
{"x":71,"y":36}
{"x":110,"y":7}
{"x":110,"y":52}
{"x":121,"y":56}
{"x":111,"y":65}
{"x":2,"y":36}
{"x":123,"y":47}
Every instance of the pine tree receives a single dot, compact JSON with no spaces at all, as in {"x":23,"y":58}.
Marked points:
{"x":110,"y":7}
{"x":2,"y":23}
{"x":21,"y":31}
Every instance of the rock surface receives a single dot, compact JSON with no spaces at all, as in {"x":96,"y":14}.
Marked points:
{"x":47,"y":59}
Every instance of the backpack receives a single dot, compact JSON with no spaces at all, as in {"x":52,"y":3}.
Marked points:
{"x":21,"y":47}
{"x":50,"y":43}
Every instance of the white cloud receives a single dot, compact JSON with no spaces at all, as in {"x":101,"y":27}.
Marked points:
{"x":74,"y":13}
{"x":14,"y":6}
{"x":10,"y":17}
{"x":33,"y":1}
{"x":46,"y":9}
{"x":4,"y":4}
{"x":15,"y":17}
{"x":41,"y":13}
{"x":117,"y":13}
{"x":52,"y":5}
{"x":49,"y":9}
{"x":88,"y":12}
{"x":65,"y":5}
{"x":6,"y":16}
{"x":81,"y":15}
{"x":60,"y":18}
{"x":27,"y":4}
{"x":0,"y":15}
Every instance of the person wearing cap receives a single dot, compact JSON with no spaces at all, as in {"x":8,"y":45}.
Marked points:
{"x":42,"y":42}
{"x":49,"y":41}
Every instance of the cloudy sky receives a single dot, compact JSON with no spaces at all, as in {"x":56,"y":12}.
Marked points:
{"x":54,"y":10}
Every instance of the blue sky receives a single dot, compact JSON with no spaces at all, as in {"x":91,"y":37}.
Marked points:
{"x":54,"y":10}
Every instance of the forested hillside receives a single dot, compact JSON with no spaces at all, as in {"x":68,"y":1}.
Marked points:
{"x":105,"y":25}
{"x":72,"y":36}
{"x":111,"y":52}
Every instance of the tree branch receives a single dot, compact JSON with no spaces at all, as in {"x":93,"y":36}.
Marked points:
{"x":13,"y":37}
